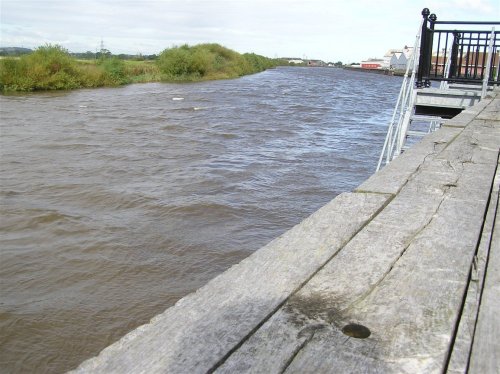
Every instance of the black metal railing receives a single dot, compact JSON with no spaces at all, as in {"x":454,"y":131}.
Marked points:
{"x":465,"y":46}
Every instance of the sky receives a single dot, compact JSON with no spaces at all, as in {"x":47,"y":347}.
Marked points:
{"x":330,"y":30}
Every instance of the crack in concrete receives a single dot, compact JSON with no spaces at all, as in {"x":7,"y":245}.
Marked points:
{"x":297,"y":351}
{"x":363,"y":297}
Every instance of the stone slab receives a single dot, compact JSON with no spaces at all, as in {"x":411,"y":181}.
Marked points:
{"x":396,"y":174}
{"x":469,"y":114}
{"x":492,"y":116}
{"x":462,"y":120}
{"x":485,"y":356}
{"x":459,"y":358}
{"x":478,"y":143}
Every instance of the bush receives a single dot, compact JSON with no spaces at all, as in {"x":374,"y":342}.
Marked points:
{"x":47,"y":68}
{"x":260,"y":63}
{"x":208,"y":61}
{"x":115,"y":69}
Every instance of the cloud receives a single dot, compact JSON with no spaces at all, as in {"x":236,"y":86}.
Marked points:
{"x":327,"y":29}
{"x":481,"y":6}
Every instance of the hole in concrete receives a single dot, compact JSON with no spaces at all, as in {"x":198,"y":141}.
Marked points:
{"x":356,"y":331}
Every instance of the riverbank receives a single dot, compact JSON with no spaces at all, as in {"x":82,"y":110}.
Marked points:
{"x":53,"y":68}
{"x":397,"y":73}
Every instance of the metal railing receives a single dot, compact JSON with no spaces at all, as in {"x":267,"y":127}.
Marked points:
{"x":470,"y":55}
{"x":402,"y":111}
{"x":472,"y":50}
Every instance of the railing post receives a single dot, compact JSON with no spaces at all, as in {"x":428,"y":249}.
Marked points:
{"x":486,"y":75}
{"x":423,"y":48}
{"x":428,"y":44}
{"x":454,"y":54}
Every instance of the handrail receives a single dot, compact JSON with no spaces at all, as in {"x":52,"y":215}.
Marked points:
{"x":465,"y":56}
{"x":468,"y":52}
{"x":405,"y":93}
{"x":466,"y":23}
{"x":488,"y":64}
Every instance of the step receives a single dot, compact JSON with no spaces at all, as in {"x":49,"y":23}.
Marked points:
{"x":416,"y":133}
{"x":424,"y":118}
{"x":448,"y":98}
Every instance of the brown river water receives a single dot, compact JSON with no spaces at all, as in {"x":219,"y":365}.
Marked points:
{"x":117,"y":202}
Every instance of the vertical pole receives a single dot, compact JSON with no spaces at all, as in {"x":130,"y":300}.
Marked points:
{"x":454,"y":54}
{"x":423,"y":48}
{"x":495,"y":55}
{"x":488,"y":64}
{"x":428,"y":45}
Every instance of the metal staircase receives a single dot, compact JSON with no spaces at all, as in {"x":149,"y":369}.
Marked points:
{"x":465,"y":62}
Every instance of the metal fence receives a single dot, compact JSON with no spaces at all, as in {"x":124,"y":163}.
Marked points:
{"x":458,"y":52}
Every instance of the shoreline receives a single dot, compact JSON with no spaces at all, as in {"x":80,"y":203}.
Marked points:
{"x":396,"y":73}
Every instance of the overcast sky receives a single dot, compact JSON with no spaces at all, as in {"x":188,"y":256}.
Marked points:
{"x":331,"y":30}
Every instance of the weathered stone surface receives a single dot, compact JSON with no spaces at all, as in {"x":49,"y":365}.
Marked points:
{"x":459,"y":358}
{"x":347,"y":278}
{"x":469,"y":114}
{"x":485,"y":356}
{"x":492,"y":111}
{"x":205,"y":326}
{"x":394,"y":176}
{"x":491,"y":116}
{"x":478,"y":143}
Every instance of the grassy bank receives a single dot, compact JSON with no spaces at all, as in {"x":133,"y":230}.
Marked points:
{"x":52,"y":68}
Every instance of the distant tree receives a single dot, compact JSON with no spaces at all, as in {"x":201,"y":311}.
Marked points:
{"x":103,"y":53}
{"x":338,"y":64}
{"x":84,"y":55}
{"x":138,"y":57}
{"x":14,"y":51}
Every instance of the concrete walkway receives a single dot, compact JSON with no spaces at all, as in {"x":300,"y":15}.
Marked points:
{"x":402,"y":275}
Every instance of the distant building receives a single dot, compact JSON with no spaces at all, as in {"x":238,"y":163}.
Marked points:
{"x":293,"y":60}
{"x":388,"y":57}
{"x":399,"y":59}
{"x":316,"y":63}
{"x":393,"y":59}
{"x":472,"y":63}
{"x":372,"y":63}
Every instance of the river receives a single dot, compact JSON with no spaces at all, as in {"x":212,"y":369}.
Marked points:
{"x":116,"y":202}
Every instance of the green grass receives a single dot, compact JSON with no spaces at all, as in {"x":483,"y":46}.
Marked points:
{"x":52,"y":68}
